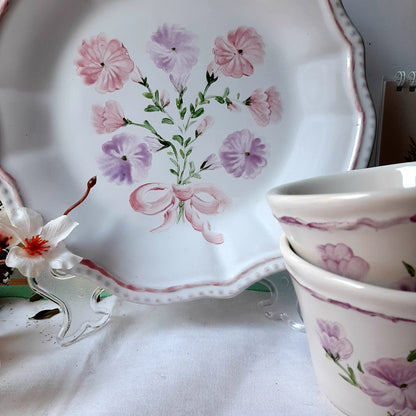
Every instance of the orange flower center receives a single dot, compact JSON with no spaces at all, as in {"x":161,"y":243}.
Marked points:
{"x":36,"y":246}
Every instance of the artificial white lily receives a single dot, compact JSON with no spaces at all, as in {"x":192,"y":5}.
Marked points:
{"x":39,"y":246}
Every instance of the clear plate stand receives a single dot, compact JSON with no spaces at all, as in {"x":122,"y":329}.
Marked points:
{"x":282,"y":305}
{"x":84,"y":310}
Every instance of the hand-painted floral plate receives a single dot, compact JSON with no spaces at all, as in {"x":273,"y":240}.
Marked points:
{"x":187,"y":114}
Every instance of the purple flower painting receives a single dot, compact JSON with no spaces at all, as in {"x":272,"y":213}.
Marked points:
{"x":333,"y":340}
{"x":173,"y":49}
{"x":390,"y":382}
{"x":176,"y":122}
{"x":125,"y":159}
{"x":243,"y":155}
{"x":340,"y":259}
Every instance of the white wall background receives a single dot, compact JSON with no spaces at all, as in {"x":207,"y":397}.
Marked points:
{"x":388,"y":29}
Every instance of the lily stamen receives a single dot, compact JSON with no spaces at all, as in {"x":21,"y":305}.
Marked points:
{"x":36,"y":246}
{"x":91,"y":183}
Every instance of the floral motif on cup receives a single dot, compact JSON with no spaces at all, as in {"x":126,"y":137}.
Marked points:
{"x":406,"y":284}
{"x":174,"y":121}
{"x":388,"y":382}
{"x":340,"y":259}
{"x":333,"y":340}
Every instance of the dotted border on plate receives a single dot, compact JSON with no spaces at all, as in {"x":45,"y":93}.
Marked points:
{"x":353,"y":37}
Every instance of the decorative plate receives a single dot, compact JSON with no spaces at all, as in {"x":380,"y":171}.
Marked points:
{"x":187,"y":114}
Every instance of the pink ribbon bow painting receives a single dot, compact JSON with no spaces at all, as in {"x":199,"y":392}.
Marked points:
{"x":178,"y":202}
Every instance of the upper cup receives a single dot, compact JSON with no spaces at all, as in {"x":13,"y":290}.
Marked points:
{"x":360,"y":224}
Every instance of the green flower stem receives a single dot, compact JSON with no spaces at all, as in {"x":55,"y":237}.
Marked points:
{"x":188,"y":123}
{"x":189,"y":176}
{"x":198,"y":105}
{"x":350,"y":374}
{"x":207,"y":88}
{"x":155,"y":101}
{"x":191,"y":119}
{"x":181,"y":212}
{"x":147,"y":126}
{"x":180,"y":182}
{"x":165,"y":144}
{"x":132,"y":123}
{"x":228,"y":101}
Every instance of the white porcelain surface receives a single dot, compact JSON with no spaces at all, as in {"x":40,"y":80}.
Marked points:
{"x":309,"y":113}
{"x":360,"y":224}
{"x":362,"y":339}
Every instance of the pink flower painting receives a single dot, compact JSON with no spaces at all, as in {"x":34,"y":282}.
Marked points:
{"x":136,"y":76}
{"x":104,"y":64}
{"x":237,"y":55}
{"x":211,"y":163}
{"x":213,"y":69}
{"x":243,"y":155}
{"x":333,"y":340}
{"x":340,"y":259}
{"x":390,"y":382}
{"x":164,"y":99}
{"x":265,"y":107}
{"x":109,"y":118}
{"x":233,"y":107}
{"x":274,"y":103}
{"x":205,"y":124}
{"x":125,"y":159}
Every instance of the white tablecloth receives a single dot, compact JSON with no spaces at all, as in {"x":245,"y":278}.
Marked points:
{"x":208,"y":357}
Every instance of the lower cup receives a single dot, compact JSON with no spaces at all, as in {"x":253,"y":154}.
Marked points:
{"x":362,"y":339}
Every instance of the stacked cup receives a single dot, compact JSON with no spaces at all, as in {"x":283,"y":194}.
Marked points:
{"x":350,"y":248}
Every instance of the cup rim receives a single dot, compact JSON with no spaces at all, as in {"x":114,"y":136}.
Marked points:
{"x":282,"y":191}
